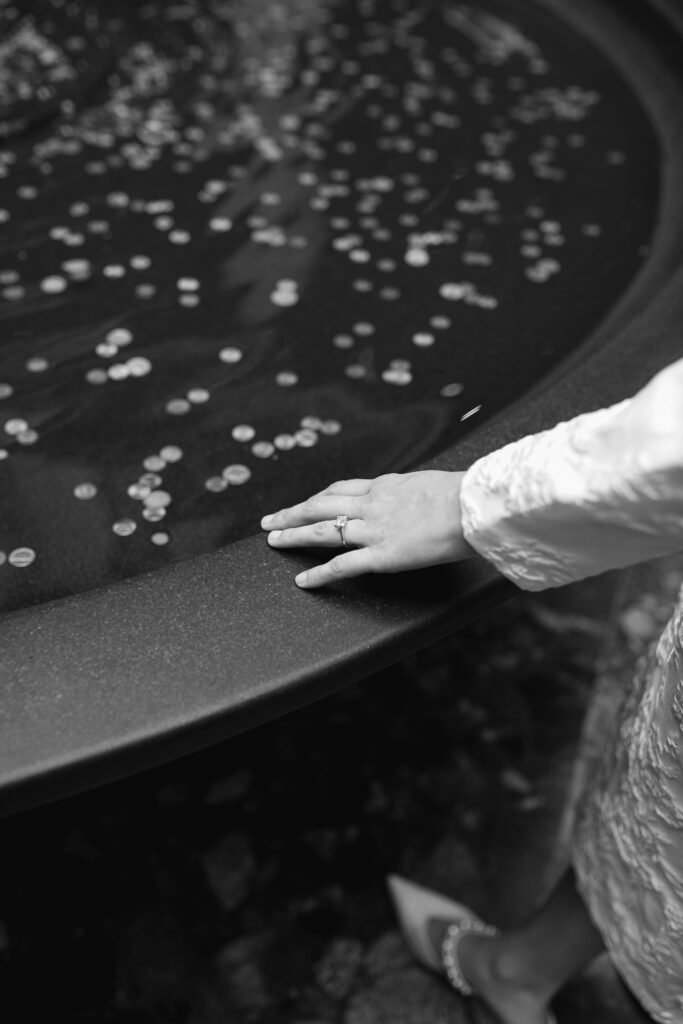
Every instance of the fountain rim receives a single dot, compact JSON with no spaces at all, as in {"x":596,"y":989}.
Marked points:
{"x":111,"y":681}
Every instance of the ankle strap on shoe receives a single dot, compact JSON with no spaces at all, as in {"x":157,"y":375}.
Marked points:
{"x":449,"y":949}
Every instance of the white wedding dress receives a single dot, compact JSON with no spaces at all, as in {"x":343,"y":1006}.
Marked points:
{"x":601,"y":491}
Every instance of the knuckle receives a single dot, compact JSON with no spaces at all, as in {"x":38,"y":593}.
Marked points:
{"x":320,"y":530}
{"x":335,"y":566}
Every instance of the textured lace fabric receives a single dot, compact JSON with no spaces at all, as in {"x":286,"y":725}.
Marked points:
{"x":601,"y":491}
{"x":628,"y":842}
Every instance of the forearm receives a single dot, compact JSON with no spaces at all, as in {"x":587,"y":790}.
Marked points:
{"x":598,"y":492}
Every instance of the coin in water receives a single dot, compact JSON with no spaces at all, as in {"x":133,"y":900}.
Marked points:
{"x":397,"y":376}
{"x":119,"y":336}
{"x":454,"y":291}
{"x":243,"y":432}
{"x":3,"y":557}
{"x":306,"y":438}
{"x":85,"y":491}
{"x":330,"y":427}
{"x":150,"y":480}
{"x":284,"y":298}
{"x":15,"y":426}
{"x":220,"y":223}
{"x":96,"y":376}
{"x":36,"y":364}
{"x":284,"y":442}
{"x":171,"y":453}
{"x":118,"y":371}
{"x":27,"y":437}
{"x":311,"y":422}
{"x":124,"y":527}
{"x":423,"y":339}
{"x":178,"y":406}
{"x":286,"y":379}
{"x":53,"y":285}
{"x":215,"y":484}
{"x":22,"y":557}
{"x":160,"y":538}
{"x":158,"y":499}
{"x":6,"y":390}
{"x":236,"y":473}
{"x":139,"y":366}
{"x":105,"y":350}
{"x":451,"y":390}
{"x":153,"y":515}
{"x":262,"y":449}
{"x":229,"y":354}
{"x":113,"y":270}
{"x":139,"y":492}
{"x":417,"y":257}
{"x":154,"y":463}
{"x":198,"y":395}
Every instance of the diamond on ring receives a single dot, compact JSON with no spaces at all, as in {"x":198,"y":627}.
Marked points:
{"x":340,"y":524}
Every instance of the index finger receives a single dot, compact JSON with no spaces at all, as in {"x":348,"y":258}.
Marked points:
{"x":341,"y":567}
{"x":313,"y":510}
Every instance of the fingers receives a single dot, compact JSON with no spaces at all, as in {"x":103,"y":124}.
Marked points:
{"x":324,"y":534}
{"x":341,"y":567}
{"x":348,"y":487}
{"x":319,"y":507}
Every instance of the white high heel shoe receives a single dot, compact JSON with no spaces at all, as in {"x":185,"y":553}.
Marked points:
{"x":415,"y":907}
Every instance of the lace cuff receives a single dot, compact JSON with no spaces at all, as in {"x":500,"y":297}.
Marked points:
{"x":597,"y":492}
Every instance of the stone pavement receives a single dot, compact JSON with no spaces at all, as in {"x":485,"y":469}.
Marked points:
{"x":246,"y":884}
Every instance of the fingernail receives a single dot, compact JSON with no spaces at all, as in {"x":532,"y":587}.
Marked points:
{"x":266,"y":520}
{"x":300,"y":580}
{"x":273,"y":535}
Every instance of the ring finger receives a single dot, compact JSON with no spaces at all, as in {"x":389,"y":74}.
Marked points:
{"x":324,"y":534}
{"x":320,"y":506}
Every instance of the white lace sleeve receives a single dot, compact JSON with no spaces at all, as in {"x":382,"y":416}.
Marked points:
{"x":598,"y":492}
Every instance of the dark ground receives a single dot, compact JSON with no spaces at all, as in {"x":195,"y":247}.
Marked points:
{"x":247,"y":884}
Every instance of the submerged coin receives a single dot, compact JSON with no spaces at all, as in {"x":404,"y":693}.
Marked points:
{"x":21,"y":557}
{"x":157,"y":499}
{"x":15,"y":426}
{"x":230,"y":354}
{"x":124,"y":527}
{"x":236,"y":473}
{"x":243,"y":432}
{"x":216,"y":484}
{"x":451,"y":390}
{"x":171,"y":453}
{"x":85,"y":491}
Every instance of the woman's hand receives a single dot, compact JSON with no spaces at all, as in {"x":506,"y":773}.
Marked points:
{"x":395,"y":522}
